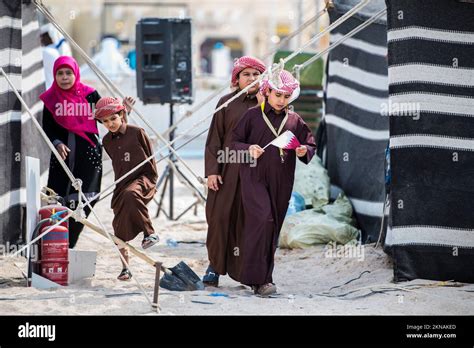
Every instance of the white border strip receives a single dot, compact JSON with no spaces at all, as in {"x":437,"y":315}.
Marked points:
{"x":353,"y":97}
{"x":416,"y":32}
{"x":32,"y":57}
{"x":30,"y":27}
{"x":430,"y":235}
{"x":15,"y":116}
{"x":11,"y":199}
{"x":432,"y":74}
{"x":10,"y":116}
{"x":18,"y":196}
{"x":359,"y":76}
{"x":368,"y":208}
{"x":437,"y":103}
{"x":360,"y":45}
{"x":35,"y":109}
{"x":32,"y":81}
{"x":433,"y":141}
{"x":5,"y":87}
{"x":10,"y":22}
{"x":10,"y":56}
{"x":362,"y":132}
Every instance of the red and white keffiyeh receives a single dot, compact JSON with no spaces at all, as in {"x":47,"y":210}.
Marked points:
{"x":283,"y":82}
{"x":244,"y":63}
{"x":108,"y":106}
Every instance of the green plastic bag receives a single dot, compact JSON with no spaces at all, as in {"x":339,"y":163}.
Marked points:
{"x":331,"y":223}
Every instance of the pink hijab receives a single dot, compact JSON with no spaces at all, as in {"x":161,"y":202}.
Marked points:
{"x":70,"y":108}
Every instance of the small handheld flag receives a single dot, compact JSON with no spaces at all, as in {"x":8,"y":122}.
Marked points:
{"x":286,"y":141}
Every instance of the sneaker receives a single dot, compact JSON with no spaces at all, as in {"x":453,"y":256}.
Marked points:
{"x":211,"y":278}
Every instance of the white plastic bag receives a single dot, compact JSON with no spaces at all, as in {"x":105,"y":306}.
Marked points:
{"x":312,"y":182}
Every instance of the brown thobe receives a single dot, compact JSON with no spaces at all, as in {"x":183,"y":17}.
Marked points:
{"x":266,"y":188}
{"x":127,"y":148}
{"x":223,"y":208}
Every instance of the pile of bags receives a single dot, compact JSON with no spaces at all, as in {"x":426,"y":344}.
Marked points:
{"x":324,"y":222}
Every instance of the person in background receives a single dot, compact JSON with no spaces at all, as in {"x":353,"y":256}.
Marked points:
{"x":223,"y":199}
{"x":53,"y":46}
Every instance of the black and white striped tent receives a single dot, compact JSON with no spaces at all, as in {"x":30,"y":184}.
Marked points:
{"x":431,"y":70}
{"x":21,"y":58}
{"x":356,"y":133}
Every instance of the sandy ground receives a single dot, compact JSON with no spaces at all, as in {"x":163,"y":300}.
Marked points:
{"x":305,"y":280}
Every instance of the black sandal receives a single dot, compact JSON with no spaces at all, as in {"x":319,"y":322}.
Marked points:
{"x":125,"y":275}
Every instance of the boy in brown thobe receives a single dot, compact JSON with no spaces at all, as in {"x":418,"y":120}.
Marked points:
{"x":266,"y":188}
{"x":223,"y":200}
{"x":128,"y":146}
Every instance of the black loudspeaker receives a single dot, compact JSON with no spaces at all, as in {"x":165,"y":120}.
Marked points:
{"x":164,"y":69}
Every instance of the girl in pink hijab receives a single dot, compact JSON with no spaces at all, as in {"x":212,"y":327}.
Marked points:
{"x":70,"y":125}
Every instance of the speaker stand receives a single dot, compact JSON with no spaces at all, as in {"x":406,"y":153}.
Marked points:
{"x":168,"y":177}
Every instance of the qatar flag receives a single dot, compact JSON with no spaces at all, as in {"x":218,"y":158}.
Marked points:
{"x":286,"y":141}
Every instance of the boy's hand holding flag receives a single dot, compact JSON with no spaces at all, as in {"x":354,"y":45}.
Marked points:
{"x":288,"y":141}
{"x":301,"y":150}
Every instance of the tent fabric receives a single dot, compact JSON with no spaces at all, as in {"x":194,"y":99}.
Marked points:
{"x":431,"y":66}
{"x":366,"y":12}
{"x":356,"y":134}
{"x":21,"y":58}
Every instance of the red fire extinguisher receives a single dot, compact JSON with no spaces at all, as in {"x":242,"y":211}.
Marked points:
{"x":53,"y":259}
